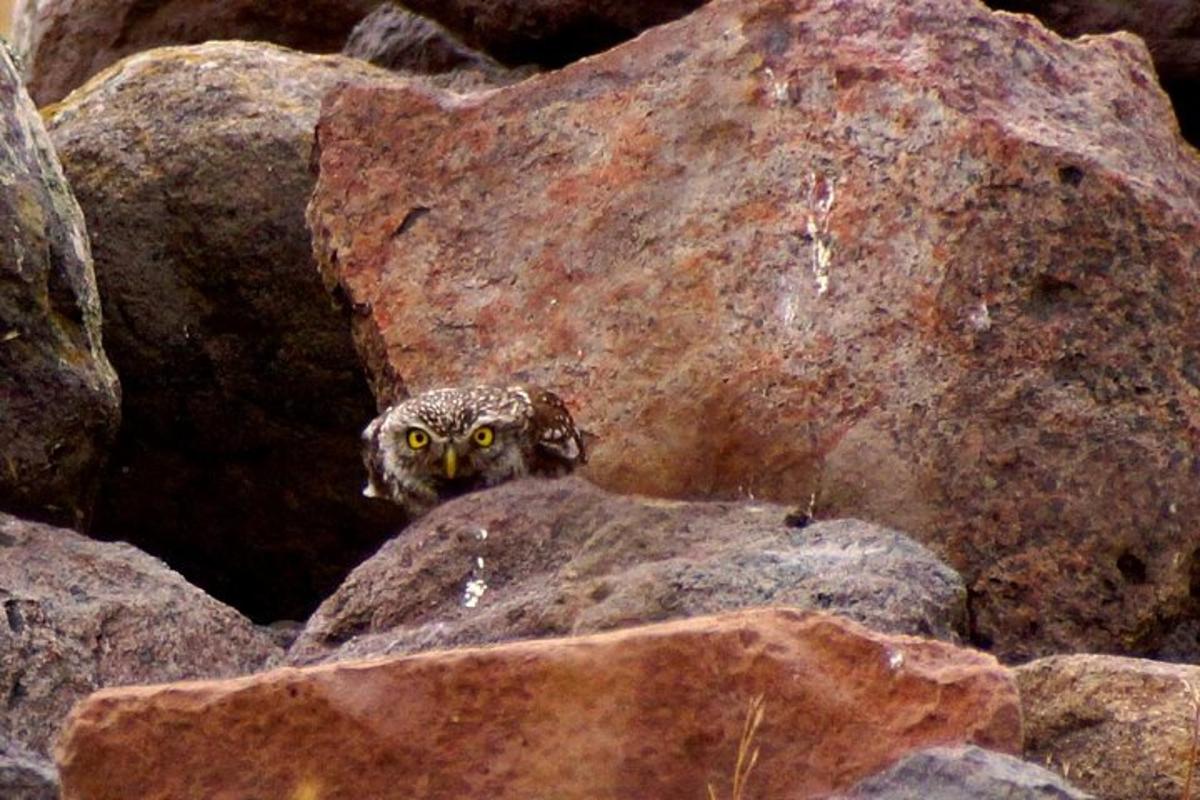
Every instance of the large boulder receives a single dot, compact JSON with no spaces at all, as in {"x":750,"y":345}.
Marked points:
{"x":555,"y":557}
{"x":1124,"y":728}
{"x":65,"y":42}
{"x":922,"y":263}
{"x":238,"y":461}
{"x":79,"y":615}
{"x":59,"y":398}
{"x":654,"y":712}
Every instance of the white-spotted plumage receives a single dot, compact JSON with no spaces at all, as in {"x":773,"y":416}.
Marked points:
{"x":446,"y":442}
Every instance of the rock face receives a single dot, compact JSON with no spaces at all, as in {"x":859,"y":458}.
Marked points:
{"x":24,"y":776}
{"x":932,"y":265}
{"x":59,"y":399}
{"x":238,"y":462}
{"x":393,"y":37}
{"x":65,"y":42}
{"x":81,"y":614}
{"x":646,"y":712}
{"x":556,"y":557}
{"x":964,"y":773}
{"x":1171,"y":29}
{"x":549,"y":32}
{"x":1124,"y":728}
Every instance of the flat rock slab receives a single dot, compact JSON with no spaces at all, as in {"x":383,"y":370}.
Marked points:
{"x":59,"y":398}
{"x":544,"y":558}
{"x":79,"y":615}
{"x":647,"y":712}
{"x":964,"y":773}
{"x":1123,"y":728}
{"x":932,"y":265}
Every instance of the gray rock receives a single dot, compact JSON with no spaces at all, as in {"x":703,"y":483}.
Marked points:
{"x":964,"y":773}
{"x":238,"y":460}
{"x":395,"y":38}
{"x":556,"y":557}
{"x":25,"y":776}
{"x":79,"y":615}
{"x":59,"y":398}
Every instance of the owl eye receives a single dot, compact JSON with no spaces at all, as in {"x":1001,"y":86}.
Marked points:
{"x":417,"y":438}
{"x":483,"y":436}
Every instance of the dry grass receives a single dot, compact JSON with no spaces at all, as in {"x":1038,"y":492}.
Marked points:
{"x":747,"y":754}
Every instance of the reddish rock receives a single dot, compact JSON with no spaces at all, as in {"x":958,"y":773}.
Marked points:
{"x":1123,"y":728}
{"x":79,"y":615}
{"x":543,"y":558}
{"x":647,"y":712}
{"x":59,"y":398}
{"x":65,"y":42}
{"x":933,"y":266}
{"x":238,"y":461}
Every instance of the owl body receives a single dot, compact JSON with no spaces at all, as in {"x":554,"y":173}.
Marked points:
{"x":446,"y":442}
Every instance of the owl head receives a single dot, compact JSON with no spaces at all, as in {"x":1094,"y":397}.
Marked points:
{"x":446,"y":442}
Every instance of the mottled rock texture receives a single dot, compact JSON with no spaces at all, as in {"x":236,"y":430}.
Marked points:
{"x":964,"y":773}
{"x":549,"y":32}
{"x":934,"y":266}
{"x":25,"y":776}
{"x":1120,"y":727}
{"x":557,"y":557}
{"x":59,"y":398}
{"x":238,"y":461}
{"x":1171,"y":29}
{"x":652,"y":712}
{"x":80,"y":614}
{"x":393,"y":37}
{"x":65,"y":42}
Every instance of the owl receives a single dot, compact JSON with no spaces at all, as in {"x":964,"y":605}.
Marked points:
{"x":446,"y":442}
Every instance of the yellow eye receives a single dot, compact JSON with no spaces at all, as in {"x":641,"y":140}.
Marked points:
{"x":417,"y":438}
{"x":483,"y":436}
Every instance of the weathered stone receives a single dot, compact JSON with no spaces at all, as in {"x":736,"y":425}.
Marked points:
{"x":81,"y":614}
{"x":59,"y":399}
{"x":964,"y":773}
{"x":395,"y":38}
{"x":25,"y":776}
{"x":931,"y":265}
{"x":1171,"y":29}
{"x":238,"y":461}
{"x":555,"y":557}
{"x":65,"y":42}
{"x":1123,"y":728}
{"x":549,"y":32}
{"x":652,"y":712}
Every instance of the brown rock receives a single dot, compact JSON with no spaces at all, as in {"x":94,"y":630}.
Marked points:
{"x":542,"y":558}
{"x":80,"y":614}
{"x":238,"y":461}
{"x":651,"y":712}
{"x":65,"y":42}
{"x":59,"y":398}
{"x":1120,"y":727}
{"x":1171,"y":29}
{"x":549,"y":32}
{"x":929,"y":264}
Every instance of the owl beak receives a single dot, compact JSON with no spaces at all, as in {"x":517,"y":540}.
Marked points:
{"x":451,"y":462}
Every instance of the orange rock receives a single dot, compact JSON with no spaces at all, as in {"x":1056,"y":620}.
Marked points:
{"x":652,"y":712}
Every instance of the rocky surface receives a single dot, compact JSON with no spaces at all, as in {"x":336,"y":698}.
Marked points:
{"x":1123,"y":728}
{"x":646,"y":712}
{"x":59,"y":398}
{"x":80,"y":614}
{"x":557,"y":557}
{"x":549,"y":32}
{"x":964,"y":773}
{"x":929,"y":264}
{"x":1171,"y":29}
{"x":393,"y":37}
{"x":25,"y":776}
{"x":238,"y":461}
{"x":64,"y":42}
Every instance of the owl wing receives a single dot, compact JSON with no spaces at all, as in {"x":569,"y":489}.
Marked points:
{"x":555,"y":437}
